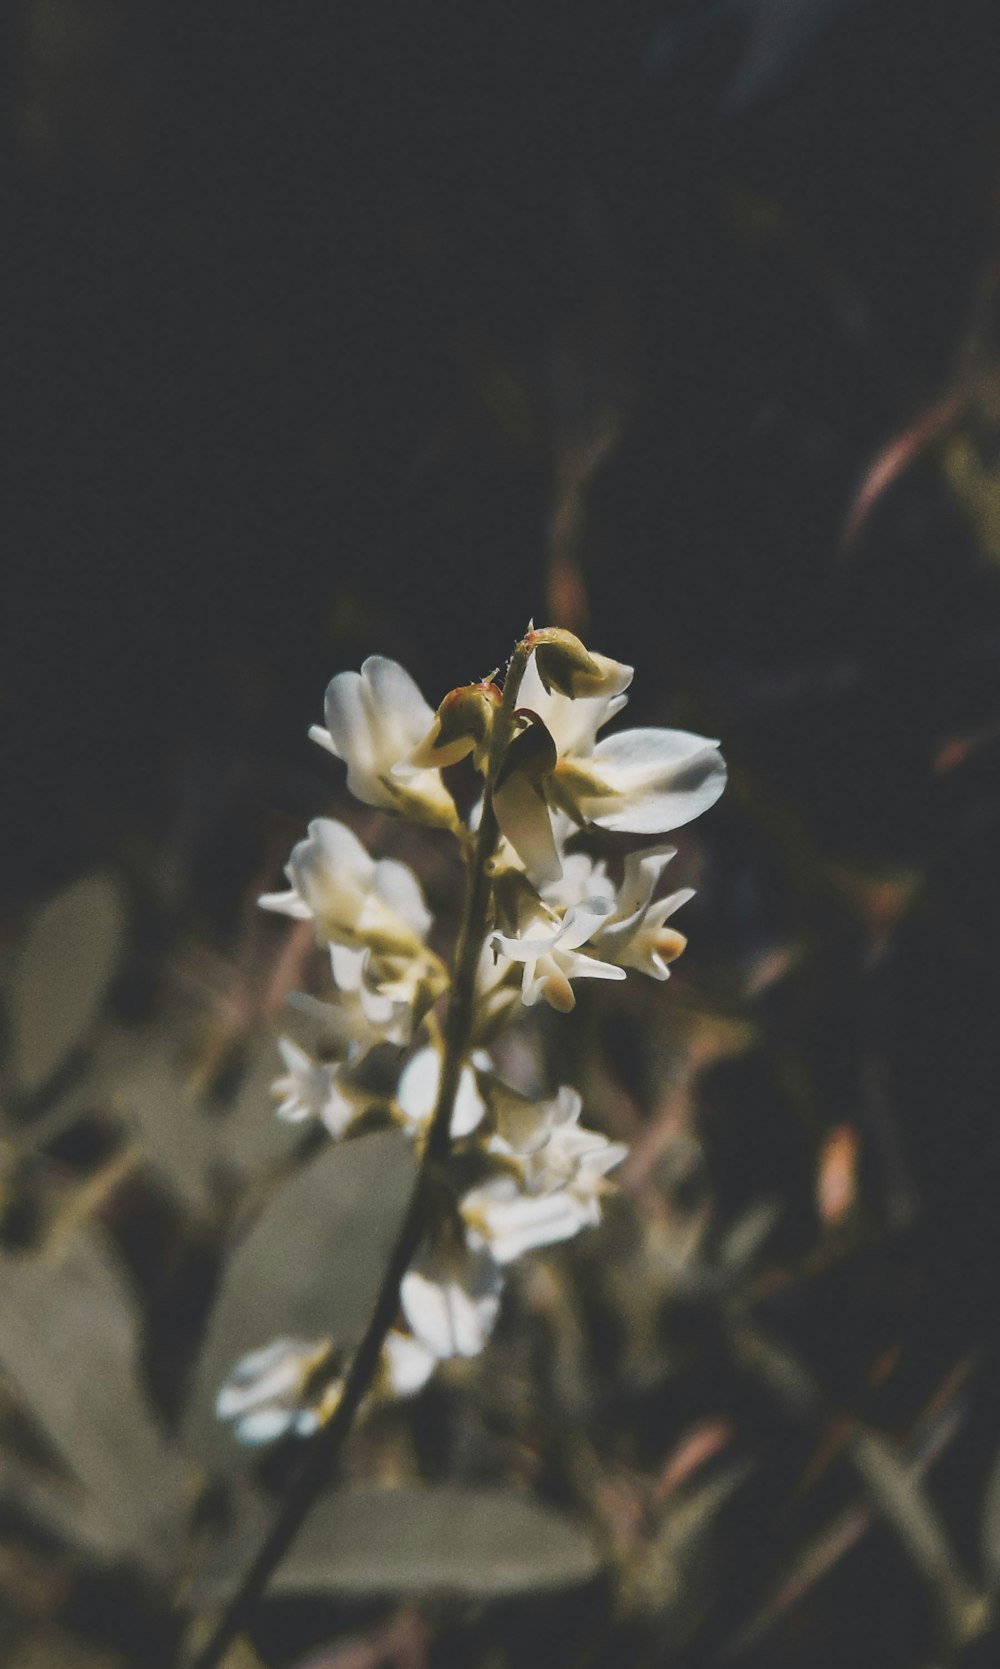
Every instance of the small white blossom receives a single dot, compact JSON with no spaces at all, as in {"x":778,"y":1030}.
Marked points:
{"x":375,"y":719}
{"x":417,"y":1093}
{"x":450,"y":1297}
{"x":499,"y":1216}
{"x":267,"y":1393}
{"x":550,"y":950}
{"x":522,"y":1126}
{"x":644,"y":781}
{"x":636,"y":935}
{"x":351,"y":899}
{"x":310,"y":1089}
{"x":575,"y":1160}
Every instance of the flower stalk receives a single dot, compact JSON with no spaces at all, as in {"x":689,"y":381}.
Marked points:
{"x":323,"y":1454}
{"x":536,"y":916}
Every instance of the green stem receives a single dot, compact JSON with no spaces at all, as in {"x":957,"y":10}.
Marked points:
{"x":323,"y":1453}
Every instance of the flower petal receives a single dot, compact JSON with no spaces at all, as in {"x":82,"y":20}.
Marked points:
{"x":658,"y":780}
{"x":408,"y":1363}
{"x":396,"y":883}
{"x":524,"y":819}
{"x":452,"y":1303}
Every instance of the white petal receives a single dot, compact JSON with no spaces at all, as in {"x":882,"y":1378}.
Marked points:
{"x":347,"y":722}
{"x":263,"y":1375}
{"x":452,"y":1307}
{"x":296,"y":1059}
{"x":264,"y":1425}
{"x":577,"y":965}
{"x":582,"y":921}
{"x":664,"y":777}
{"x":331,"y":871}
{"x":347,"y":964}
{"x":396,"y":705}
{"x":417,"y":1092}
{"x":417,"y":1089}
{"x":396,"y":883}
{"x":317,"y":733}
{"x":513,"y":1223}
{"x":528,"y":947}
{"x":524,"y":819}
{"x":285,"y":904}
{"x":573,"y":724}
{"x":642,"y":870}
{"x":409,"y":1364}
{"x":582,"y":878}
{"x":469,"y":1109}
{"x":338,"y":1110}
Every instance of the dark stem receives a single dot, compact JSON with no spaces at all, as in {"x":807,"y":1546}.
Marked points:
{"x":320,"y":1459}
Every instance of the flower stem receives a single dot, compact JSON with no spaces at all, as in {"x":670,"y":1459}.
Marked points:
{"x":324,"y":1450}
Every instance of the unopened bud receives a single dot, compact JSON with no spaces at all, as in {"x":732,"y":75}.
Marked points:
{"x":462,"y":724}
{"x":567,"y":666}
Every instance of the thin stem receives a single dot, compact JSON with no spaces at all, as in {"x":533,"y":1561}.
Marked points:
{"x":323,"y":1453}
{"x":893,"y":1487}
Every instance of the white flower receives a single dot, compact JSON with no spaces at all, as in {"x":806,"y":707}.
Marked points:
{"x":417,"y":1092}
{"x":573,"y":1159}
{"x":549,"y":950}
{"x":522,"y":1126}
{"x":450,"y":1297}
{"x":499,"y":1216}
{"x":636,"y":935}
{"x":373,"y":918}
{"x":643,"y":781}
{"x":351,"y":899}
{"x":267,"y":1391}
{"x":558,"y":1189}
{"x":310,"y":1089}
{"x":375,"y":718}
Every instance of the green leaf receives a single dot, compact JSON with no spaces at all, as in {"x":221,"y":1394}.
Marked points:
{"x":310,"y":1266}
{"x":444,"y":1538}
{"x":69,"y":1340}
{"x":67,"y":962}
{"x":189,"y":1145}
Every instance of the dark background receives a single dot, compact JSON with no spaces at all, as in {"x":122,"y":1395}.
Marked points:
{"x":334,"y":329}
{"x":307,"y":313}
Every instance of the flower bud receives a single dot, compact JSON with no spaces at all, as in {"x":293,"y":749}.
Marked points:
{"x":567,"y":666}
{"x":462,"y":724}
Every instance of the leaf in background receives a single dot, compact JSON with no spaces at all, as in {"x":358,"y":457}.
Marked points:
{"x":69,"y":1340}
{"x":990,"y":1530}
{"x":309,"y":1266}
{"x":186,"y":1141}
{"x":67,"y":962}
{"x":425,"y":1539}
{"x":673,"y":1579}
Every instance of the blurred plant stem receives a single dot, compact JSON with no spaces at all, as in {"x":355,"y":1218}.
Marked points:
{"x":323,"y":1454}
{"x":963,"y":1612}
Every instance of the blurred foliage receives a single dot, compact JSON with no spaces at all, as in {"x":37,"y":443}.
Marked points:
{"x":676,"y":323}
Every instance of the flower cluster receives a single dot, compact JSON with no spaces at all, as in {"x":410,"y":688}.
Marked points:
{"x":503,"y":1172}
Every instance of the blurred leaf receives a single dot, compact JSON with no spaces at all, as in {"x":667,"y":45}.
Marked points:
{"x":673,"y":1578}
{"x":187,"y":1142}
{"x":69,"y":1339}
{"x":309,"y":1266}
{"x":67,"y":962}
{"x":419,"y":1539}
{"x":990,"y":1530}
{"x":975,"y":480}
{"x":742,"y":1242}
